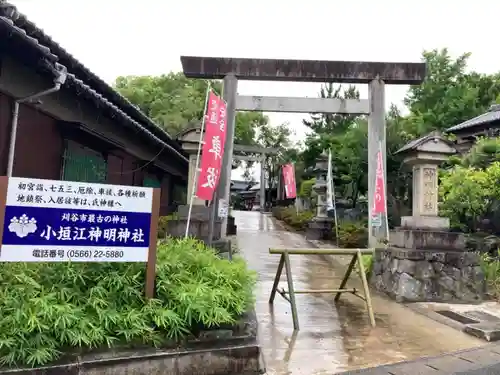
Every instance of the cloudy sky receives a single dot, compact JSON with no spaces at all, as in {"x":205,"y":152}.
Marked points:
{"x":130,"y":37}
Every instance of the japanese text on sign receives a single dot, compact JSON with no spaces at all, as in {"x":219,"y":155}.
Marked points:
{"x":223,"y":208}
{"x":379,"y":194}
{"x":59,"y":221}
{"x":65,"y":194}
{"x":213,"y":147}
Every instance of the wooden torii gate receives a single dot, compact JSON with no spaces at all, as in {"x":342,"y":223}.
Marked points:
{"x":263,"y":153}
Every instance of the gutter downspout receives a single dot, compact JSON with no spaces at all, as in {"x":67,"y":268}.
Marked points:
{"x":58,"y":81}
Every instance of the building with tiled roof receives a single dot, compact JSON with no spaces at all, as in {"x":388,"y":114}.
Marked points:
{"x":486,"y":124}
{"x":76,"y":127}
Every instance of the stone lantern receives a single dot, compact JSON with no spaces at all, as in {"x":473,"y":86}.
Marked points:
{"x":425,"y":261}
{"x":190,"y":142}
{"x":320,"y":227}
{"x":423,"y":156}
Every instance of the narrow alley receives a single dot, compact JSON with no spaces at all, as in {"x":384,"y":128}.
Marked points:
{"x":333,"y":338}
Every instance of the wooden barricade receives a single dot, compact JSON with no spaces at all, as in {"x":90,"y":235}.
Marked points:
{"x":289,"y":294}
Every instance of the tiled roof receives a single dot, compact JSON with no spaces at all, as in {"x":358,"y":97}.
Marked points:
{"x":82,"y":77}
{"x":493,"y":115}
{"x":417,"y":142}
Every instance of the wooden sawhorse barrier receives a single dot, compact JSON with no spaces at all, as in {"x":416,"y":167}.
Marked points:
{"x":290,"y":294}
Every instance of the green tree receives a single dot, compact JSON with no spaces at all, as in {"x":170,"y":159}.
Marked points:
{"x":485,"y":152}
{"x":346,"y":136}
{"x":470,"y":197}
{"x":278,"y":137}
{"x":176,"y":103}
{"x":449,"y":95}
{"x":333,"y":123}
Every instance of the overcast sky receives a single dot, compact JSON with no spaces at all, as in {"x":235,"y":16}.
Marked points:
{"x":147,"y":37}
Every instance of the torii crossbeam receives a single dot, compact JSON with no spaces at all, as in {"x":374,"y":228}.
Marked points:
{"x":375,"y":74}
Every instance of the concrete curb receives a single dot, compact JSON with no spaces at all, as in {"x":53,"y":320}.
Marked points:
{"x":236,"y":359}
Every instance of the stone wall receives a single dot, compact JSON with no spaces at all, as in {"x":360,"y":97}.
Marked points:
{"x":425,"y":275}
{"x":198,"y":228}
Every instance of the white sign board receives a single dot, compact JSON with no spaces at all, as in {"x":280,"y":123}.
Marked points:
{"x":57,"y":221}
{"x":376,"y":221}
{"x":223,"y":208}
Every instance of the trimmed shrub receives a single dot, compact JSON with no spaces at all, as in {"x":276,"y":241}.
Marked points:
{"x":49,"y":309}
{"x":490,"y":265}
{"x":163,"y":225}
{"x":306,"y":188}
{"x":470,"y":197}
{"x":353,"y":234}
{"x":289,"y":215}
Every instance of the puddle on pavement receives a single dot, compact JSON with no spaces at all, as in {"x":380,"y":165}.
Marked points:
{"x":333,"y":337}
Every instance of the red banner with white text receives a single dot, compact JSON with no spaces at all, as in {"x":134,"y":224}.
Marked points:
{"x":213,"y":147}
{"x":289,"y":179}
{"x":379,"y":206}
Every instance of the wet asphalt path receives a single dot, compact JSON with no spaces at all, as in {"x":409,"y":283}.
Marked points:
{"x":333,"y":337}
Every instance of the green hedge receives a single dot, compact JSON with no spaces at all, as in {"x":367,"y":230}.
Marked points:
{"x":289,"y":215}
{"x":353,"y":234}
{"x":51,"y":308}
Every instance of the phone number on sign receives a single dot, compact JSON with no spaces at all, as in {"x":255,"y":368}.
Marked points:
{"x":94,"y":255}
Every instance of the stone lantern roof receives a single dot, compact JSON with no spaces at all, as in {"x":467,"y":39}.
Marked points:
{"x":432,"y":148}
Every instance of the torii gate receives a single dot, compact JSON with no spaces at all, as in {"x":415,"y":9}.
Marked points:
{"x":375,"y":74}
{"x":263,"y":151}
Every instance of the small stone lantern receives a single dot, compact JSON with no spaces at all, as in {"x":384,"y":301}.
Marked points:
{"x":199,"y":225}
{"x":320,"y":227}
{"x":190,"y":143}
{"x":320,"y":187}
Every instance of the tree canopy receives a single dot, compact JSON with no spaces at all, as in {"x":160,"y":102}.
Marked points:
{"x":449,"y":95}
{"x":175,"y":103}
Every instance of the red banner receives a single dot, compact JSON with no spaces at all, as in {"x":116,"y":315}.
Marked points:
{"x":289,"y":179}
{"x":379,"y":195}
{"x":213,"y":147}
{"x":222,"y":126}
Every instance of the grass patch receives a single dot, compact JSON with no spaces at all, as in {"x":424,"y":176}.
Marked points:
{"x":491,"y":269}
{"x":48,"y":309}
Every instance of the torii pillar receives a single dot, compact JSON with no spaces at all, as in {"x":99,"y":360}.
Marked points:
{"x":375,"y":74}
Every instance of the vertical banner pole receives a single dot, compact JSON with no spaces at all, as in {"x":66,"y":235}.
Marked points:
{"x":385,"y":196}
{"x":153,"y":242}
{"x":331,"y":195}
{"x":214,"y":204}
{"x":262,"y":193}
{"x":213,"y":216}
{"x":224,"y":188}
{"x":197,"y":164}
{"x":376,"y":137}
{"x":296,"y":197}
{"x":4,"y":183}
{"x":336,"y":216}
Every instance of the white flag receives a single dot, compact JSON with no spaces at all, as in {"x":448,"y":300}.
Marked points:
{"x":329,"y":182}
